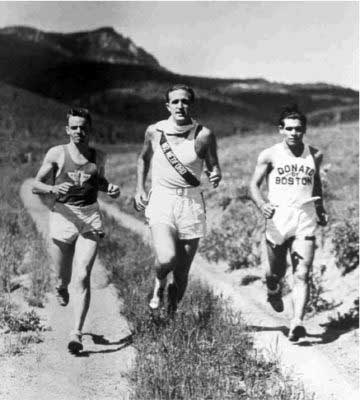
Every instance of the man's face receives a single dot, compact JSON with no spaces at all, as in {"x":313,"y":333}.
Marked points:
{"x":179,"y":105}
{"x":78,"y":129}
{"x":293,"y":131}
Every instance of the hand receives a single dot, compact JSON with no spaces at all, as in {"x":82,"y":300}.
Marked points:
{"x":214,"y":177}
{"x":268,"y":210}
{"x":322,"y":216}
{"x":140,"y":200}
{"x":62,"y":188}
{"x":113,"y":191}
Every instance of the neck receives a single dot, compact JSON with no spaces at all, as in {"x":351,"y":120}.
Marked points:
{"x":296,"y":148}
{"x":187,"y":121}
{"x":82,"y":148}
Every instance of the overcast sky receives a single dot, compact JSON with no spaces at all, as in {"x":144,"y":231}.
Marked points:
{"x":280,"y":41}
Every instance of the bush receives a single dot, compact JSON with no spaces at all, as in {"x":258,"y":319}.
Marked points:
{"x":237,"y":239}
{"x":345,"y":239}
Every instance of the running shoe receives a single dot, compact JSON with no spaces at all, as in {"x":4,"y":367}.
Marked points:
{"x":62,"y":296}
{"x":296,"y":332}
{"x":275,"y":299}
{"x":75,"y":343}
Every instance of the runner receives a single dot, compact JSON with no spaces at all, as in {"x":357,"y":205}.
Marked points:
{"x":175,"y":206}
{"x":293,"y":209}
{"x":77,"y":174}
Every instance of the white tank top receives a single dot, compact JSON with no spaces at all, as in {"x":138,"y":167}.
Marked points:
{"x":164,"y":174}
{"x":291,"y":180}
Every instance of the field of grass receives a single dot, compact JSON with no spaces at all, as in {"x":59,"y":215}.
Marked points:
{"x":204,"y":353}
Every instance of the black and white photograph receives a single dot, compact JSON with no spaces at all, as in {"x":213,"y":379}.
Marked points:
{"x":179,"y":200}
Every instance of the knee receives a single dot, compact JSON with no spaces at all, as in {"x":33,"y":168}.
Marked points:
{"x":83,"y":280}
{"x":302,"y":273}
{"x":165,"y":259}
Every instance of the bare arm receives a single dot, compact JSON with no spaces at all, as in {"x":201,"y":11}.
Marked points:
{"x":206,"y":142}
{"x":47,"y":170}
{"x":317,"y":189}
{"x":143,"y":166}
{"x":262,"y":168}
{"x":104,"y":185}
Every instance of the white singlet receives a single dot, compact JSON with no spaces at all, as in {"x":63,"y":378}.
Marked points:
{"x":163,"y":173}
{"x":172,"y":200}
{"x":290,"y":185}
{"x":291,"y":180}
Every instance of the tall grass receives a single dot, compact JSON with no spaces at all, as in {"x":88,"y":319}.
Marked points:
{"x":22,"y":250}
{"x":205,"y":352}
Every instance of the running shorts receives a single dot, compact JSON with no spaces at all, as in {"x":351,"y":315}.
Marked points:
{"x":183,"y":209}
{"x":291,"y":222}
{"x":67,"y":222}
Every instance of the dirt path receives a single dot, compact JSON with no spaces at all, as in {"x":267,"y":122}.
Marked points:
{"x":307,"y":361}
{"x":48,"y":371}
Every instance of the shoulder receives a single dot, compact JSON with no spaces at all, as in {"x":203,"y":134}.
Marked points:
{"x":266,"y":155}
{"x":151,"y":131}
{"x":316,"y":153}
{"x":54,"y":154}
{"x":100,"y":155}
{"x":204,"y":134}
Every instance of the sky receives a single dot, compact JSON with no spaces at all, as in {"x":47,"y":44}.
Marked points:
{"x":285,"y":41}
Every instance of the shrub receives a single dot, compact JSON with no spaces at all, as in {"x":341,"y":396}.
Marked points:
{"x":317,"y":302}
{"x":237,"y":239}
{"x":345,"y":240}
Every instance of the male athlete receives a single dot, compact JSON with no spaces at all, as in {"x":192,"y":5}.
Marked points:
{"x":175,"y":209}
{"x":292,"y":211}
{"x":77,"y":173}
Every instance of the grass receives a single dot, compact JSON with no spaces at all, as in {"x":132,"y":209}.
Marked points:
{"x":204,"y":353}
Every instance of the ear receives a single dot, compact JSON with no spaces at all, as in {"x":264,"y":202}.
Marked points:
{"x":67,"y":130}
{"x":167,"y":105}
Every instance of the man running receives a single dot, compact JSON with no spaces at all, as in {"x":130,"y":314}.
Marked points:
{"x":292,"y":210}
{"x":77,"y":174}
{"x":175,"y":206}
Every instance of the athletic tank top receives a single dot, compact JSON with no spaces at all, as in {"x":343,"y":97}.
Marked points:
{"x":291,"y":180}
{"x":164,"y":174}
{"x":85,"y":178}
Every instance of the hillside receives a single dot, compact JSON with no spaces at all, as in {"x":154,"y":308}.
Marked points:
{"x":108,"y":73}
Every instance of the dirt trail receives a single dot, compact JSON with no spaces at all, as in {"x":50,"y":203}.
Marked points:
{"x":48,"y":371}
{"x":306,"y":361}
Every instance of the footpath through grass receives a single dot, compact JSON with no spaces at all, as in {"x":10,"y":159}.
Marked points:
{"x":204,"y":353}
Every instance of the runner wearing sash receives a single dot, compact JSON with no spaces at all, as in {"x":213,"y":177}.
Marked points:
{"x":177,"y":149}
{"x":76,"y":171}
{"x":293,"y":209}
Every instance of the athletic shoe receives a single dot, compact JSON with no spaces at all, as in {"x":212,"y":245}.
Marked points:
{"x":172,"y":300}
{"x":75,"y":343}
{"x":62,"y":296}
{"x":157,"y":300}
{"x":296,"y":332}
{"x":275,"y":299}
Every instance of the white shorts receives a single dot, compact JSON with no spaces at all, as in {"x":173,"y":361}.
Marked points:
{"x":183,"y":209}
{"x":291,"y":222}
{"x":67,"y":222}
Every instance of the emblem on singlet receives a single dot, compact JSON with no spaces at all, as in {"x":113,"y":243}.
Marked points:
{"x":78,"y":177}
{"x":293,"y":174}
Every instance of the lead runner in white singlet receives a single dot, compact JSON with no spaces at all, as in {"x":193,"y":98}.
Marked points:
{"x":175,"y":208}
{"x":292,"y":211}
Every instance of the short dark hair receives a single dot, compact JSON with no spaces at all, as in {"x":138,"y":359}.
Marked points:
{"x":292,"y":112}
{"x":79,"y":112}
{"x":180,"y":87}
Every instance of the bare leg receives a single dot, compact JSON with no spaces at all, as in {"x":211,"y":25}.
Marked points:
{"x":85,"y":253}
{"x":302,"y":255}
{"x":277,"y":264}
{"x":164,"y":244}
{"x":186,"y":250}
{"x":62,"y":255}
